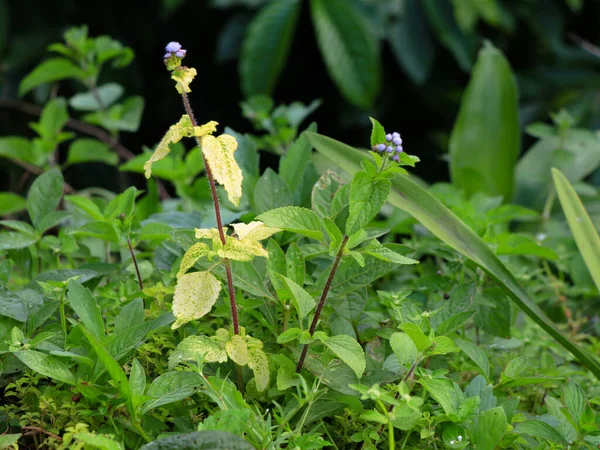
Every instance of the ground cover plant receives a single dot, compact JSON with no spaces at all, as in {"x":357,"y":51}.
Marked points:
{"x":332,"y":300}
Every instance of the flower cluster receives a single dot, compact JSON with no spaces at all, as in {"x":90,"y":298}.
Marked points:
{"x":174,"y":48}
{"x":392,"y":147}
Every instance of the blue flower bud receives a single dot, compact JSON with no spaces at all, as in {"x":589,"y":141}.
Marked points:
{"x":381,"y":147}
{"x":173,"y":47}
{"x":399,"y":149}
{"x":388,"y":137}
{"x":167,"y":55}
{"x":395,"y":135}
{"x":397,"y":141}
{"x":396,"y":158}
{"x":390,"y":149}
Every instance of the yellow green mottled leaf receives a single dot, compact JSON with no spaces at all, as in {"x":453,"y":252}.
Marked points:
{"x":219,"y":155}
{"x":195,"y":295}
{"x":183,"y":77}
{"x":193,"y":347}
{"x":194,"y":253}
{"x":237,"y":349}
{"x":259,"y":363}
{"x":176,"y":132}
{"x":254,"y":230}
{"x":207,"y":128}
{"x":244,"y":250}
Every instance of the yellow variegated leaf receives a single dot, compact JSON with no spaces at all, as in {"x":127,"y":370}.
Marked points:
{"x":184,"y":76}
{"x":237,"y":349}
{"x":195,"y":295}
{"x":194,"y":347}
{"x":176,"y":132}
{"x":194,"y":253}
{"x":219,"y":155}
{"x":259,"y":363}
{"x":244,"y":250}
{"x":254,"y":230}
{"x":207,"y":233}
{"x":207,"y":128}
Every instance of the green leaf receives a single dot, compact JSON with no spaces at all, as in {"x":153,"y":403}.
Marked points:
{"x":125,"y":116}
{"x":11,"y":240}
{"x":575,"y":399}
{"x":47,"y":365}
{"x":539,"y":429}
{"x":87,"y":205}
{"x":11,"y":305}
{"x":516,"y":366}
{"x":84,"y":304}
{"x":433,"y":215}
{"x":367,"y":196}
{"x":293,"y":164}
{"x":565,"y":425}
{"x":200,"y":440}
{"x":44,"y":195}
{"x":108,"y":93}
{"x":404,"y":348}
{"x":476,"y":355}
{"x":377,"y":133}
{"x":485,"y":140}
{"x":271,"y":192}
{"x":490,"y":428}
{"x":53,"y":119}
{"x":171,"y":387}
{"x":99,"y":229}
{"x":421,"y":341}
{"x":266,"y":46}
{"x":302,"y":300}
{"x":11,"y":203}
{"x":295,"y":264}
{"x":324,"y":191}
{"x":445,"y":392}
{"x":376,"y":249}
{"x":295,"y":219}
{"x":350,"y":50}
{"x":18,"y":149}
{"x":286,"y":374}
{"x":50,"y":70}
{"x":137,"y":379}
{"x":8,"y":440}
{"x":349,"y":351}
{"x":91,"y":150}
{"x":289,"y":335}
{"x":581,"y":225}
{"x":112,"y":367}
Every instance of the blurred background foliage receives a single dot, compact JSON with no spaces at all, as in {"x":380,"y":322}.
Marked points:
{"x":406,"y":62}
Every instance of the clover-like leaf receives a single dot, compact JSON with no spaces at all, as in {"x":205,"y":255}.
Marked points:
{"x":219,"y":154}
{"x":183,"y":77}
{"x":195,"y":295}
{"x":194,"y":253}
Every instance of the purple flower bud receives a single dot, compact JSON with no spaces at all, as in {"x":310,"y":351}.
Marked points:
{"x":181,"y":53}
{"x":381,"y":147}
{"x":173,"y":47}
{"x":395,"y":135}
{"x":167,"y":55}
{"x":388,"y":137}
{"x":396,"y":158}
{"x":399,"y":149}
{"x":390,"y":149}
{"x":397,"y":141}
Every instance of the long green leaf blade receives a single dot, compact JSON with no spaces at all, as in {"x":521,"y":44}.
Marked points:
{"x":267,"y":45}
{"x":581,"y":225}
{"x":438,"y":219}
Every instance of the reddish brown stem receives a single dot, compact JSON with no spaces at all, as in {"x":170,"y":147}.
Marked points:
{"x":215,"y":198}
{"x":135,"y":264}
{"x":313,"y":325}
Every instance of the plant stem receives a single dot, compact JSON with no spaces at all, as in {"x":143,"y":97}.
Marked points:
{"x":63,"y":317}
{"x":313,"y":325}
{"x":215,"y":198}
{"x":137,"y":425}
{"x":135,"y":263}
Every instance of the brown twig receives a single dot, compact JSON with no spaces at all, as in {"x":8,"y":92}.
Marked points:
{"x":75,"y":124}
{"x":38,"y":430}
{"x":135,"y":264}
{"x":585,"y":45}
